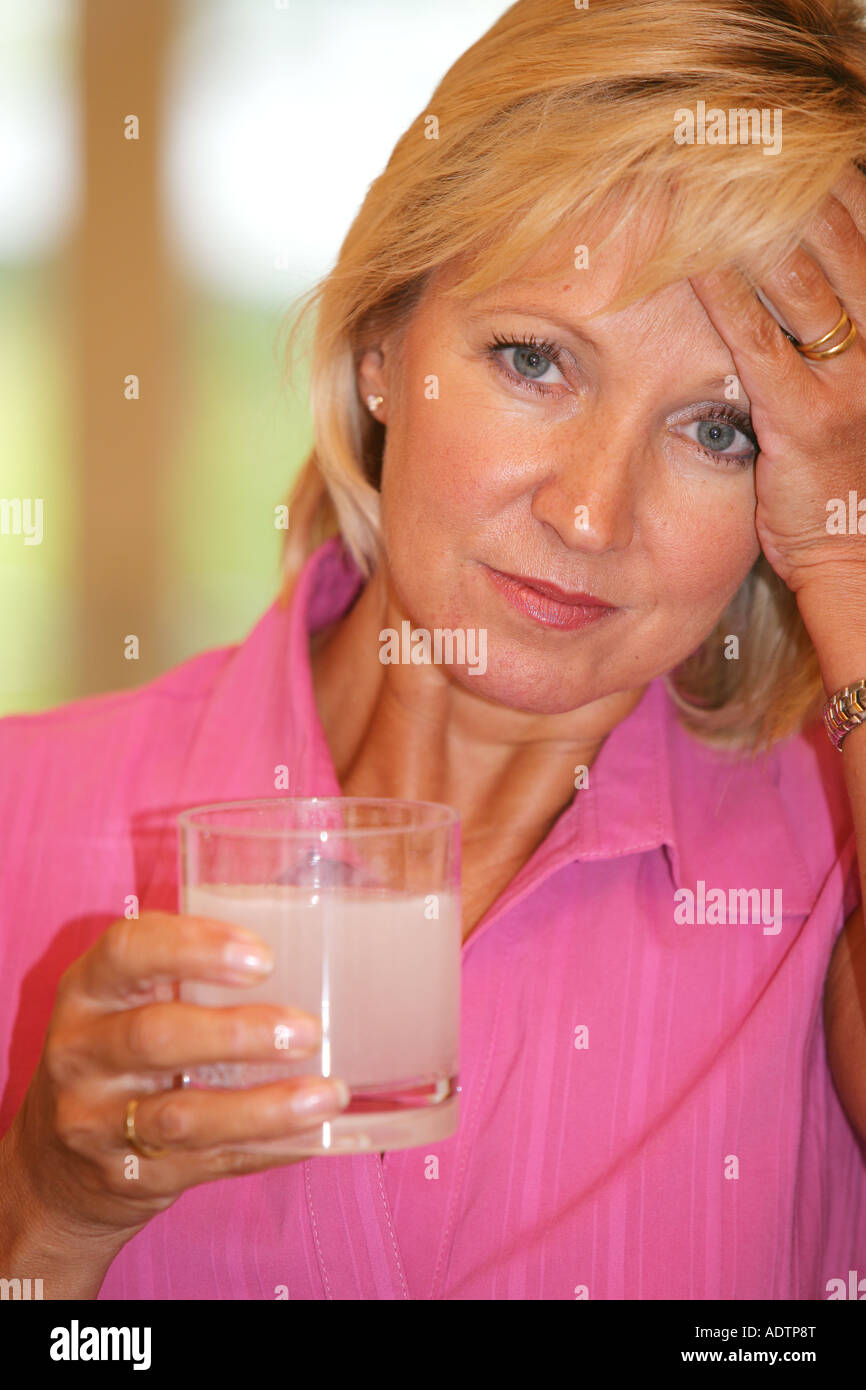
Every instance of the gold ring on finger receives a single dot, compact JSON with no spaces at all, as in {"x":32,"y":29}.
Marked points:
{"x":816,"y":353}
{"x":146,"y":1150}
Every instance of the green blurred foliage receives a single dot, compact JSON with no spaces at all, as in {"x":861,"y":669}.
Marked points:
{"x":243,"y":437}
{"x":36,"y":594}
{"x":247,"y":433}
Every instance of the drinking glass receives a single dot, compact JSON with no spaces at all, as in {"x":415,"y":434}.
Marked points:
{"x":359,"y":900}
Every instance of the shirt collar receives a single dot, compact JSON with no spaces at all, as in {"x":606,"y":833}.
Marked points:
{"x":652,"y":785}
{"x":626,"y":807}
{"x":716,"y":816}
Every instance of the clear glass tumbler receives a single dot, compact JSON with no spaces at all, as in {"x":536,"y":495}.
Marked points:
{"x":359,"y":900}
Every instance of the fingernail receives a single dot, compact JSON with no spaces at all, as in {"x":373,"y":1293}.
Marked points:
{"x":237,"y":956}
{"x":322,"y":1097}
{"x":298,"y":1036}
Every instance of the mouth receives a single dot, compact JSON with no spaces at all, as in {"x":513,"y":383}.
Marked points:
{"x":547,"y":603}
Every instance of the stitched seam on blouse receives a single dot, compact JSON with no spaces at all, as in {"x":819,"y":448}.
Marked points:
{"x":391,"y":1229}
{"x":467,"y":1147}
{"x":321,"y":1257}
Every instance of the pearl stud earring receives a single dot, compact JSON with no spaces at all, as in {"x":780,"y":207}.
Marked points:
{"x":373,"y":402}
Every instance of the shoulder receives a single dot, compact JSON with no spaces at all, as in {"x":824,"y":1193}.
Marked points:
{"x":780,"y":817}
{"x":809,"y":779}
{"x":109,"y":730}
{"x":183,"y":684}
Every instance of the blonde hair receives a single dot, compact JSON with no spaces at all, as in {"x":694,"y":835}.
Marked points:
{"x":559,"y":118}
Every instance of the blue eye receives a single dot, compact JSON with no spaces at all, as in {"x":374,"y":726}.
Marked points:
{"x":714,"y":435}
{"x":532,"y":360}
{"x":722,"y":438}
{"x":529,"y":362}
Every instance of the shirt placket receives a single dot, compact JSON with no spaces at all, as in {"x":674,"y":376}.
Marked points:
{"x":352,"y":1224}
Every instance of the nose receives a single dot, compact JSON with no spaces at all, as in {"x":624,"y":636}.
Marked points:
{"x":590,"y":492}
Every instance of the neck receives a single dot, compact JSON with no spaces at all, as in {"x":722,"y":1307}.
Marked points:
{"x":414,"y":732}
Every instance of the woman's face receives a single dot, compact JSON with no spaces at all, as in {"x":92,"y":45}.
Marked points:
{"x":610,"y":458}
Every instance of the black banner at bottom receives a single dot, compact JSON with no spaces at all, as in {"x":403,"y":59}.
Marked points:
{"x":74,"y":1338}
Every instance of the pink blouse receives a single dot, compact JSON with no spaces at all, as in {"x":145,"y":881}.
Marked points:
{"x":646,"y":1107}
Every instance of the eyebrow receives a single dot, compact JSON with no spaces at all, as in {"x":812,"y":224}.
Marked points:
{"x":484,"y":306}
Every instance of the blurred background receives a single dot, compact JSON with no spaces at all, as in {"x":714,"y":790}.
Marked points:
{"x":172,"y":175}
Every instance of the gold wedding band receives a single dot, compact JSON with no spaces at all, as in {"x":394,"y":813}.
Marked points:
{"x":816,"y":353}
{"x":834,"y":351}
{"x":129,"y":1129}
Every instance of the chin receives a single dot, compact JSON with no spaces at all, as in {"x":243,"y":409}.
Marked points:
{"x":527,"y":692}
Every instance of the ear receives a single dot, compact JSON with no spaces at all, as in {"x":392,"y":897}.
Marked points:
{"x":373,"y":381}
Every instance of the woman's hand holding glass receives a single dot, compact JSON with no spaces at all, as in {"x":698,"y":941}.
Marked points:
{"x":117,"y":1032}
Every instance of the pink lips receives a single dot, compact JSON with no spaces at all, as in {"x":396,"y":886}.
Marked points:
{"x":549,"y":604}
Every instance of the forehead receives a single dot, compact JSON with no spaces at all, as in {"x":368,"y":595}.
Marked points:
{"x":667,"y":331}
{"x":596,"y":252}
{"x":580,"y":267}
{"x":573,"y":283}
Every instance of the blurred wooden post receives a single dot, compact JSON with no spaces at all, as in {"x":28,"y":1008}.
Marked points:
{"x":125,"y":321}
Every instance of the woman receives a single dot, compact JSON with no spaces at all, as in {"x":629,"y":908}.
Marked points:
{"x":554,"y":405}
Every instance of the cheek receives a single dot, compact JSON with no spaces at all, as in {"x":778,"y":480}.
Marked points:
{"x":447,"y":469}
{"x":703,"y":558}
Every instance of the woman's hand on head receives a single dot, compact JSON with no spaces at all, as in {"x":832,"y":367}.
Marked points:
{"x":114,"y":1035}
{"x":809,"y":416}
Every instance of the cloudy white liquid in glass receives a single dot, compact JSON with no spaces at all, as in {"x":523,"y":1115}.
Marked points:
{"x":383,"y":974}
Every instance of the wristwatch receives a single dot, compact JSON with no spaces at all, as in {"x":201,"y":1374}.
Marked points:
{"x":844,"y":711}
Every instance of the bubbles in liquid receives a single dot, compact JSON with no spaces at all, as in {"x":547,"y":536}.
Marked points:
{"x":316,"y":870}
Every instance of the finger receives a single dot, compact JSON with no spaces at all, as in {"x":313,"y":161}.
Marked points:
{"x":801,"y":293}
{"x":837,"y":245}
{"x":769,"y":368}
{"x":851,"y":190}
{"x":132,"y":957}
{"x":174,"y":1037}
{"x":199,"y":1122}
